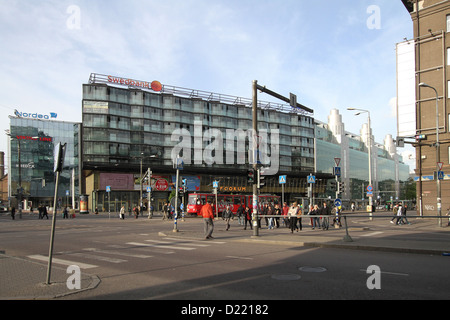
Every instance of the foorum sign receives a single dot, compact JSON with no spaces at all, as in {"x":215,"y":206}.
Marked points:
{"x":35,"y":115}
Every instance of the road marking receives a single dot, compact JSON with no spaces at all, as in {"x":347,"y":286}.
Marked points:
{"x":372,"y":234}
{"x":196,"y":240}
{"x":132,"y":255}
{"x":100,"y":258}
{"x":63,"y":262}
{"x":158,"y":246}
{"x":240,"y":258}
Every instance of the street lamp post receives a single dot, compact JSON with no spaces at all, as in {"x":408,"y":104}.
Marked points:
{"x":369,"y":151}
{"x":438,"y":157}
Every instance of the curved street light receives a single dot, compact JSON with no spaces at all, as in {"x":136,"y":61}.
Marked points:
{"x":438,"y":160}
{"x":369,"y":151}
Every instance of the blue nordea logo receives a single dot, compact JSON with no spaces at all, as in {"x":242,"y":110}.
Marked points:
{"x":36,"y":115}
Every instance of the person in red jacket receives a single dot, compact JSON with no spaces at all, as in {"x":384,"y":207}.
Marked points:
{"x":208,"y":220}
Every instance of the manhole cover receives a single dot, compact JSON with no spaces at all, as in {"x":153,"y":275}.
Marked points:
{"x":286,"y":277}
{"x":312,"y":269}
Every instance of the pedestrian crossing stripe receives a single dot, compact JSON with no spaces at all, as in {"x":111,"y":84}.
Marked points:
{"x":139,"y":244}
{"x":63,"y":262}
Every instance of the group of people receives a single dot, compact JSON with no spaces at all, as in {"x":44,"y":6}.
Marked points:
{"x":290,"y":216}
{"x":399,"y":211}
{"x":135,"y":212}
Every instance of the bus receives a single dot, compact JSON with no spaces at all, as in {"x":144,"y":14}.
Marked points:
{"x":197,"y":200}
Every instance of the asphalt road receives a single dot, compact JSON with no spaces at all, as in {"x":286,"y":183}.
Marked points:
{"x":140,"y":259}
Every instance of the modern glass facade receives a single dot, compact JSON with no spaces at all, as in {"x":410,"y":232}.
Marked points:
{"x":388,"y":171}
{"x":31,"y":161}
{"x":122,"y":125}
{"x":128,"y":127}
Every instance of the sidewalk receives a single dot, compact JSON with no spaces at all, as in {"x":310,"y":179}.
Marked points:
{"x":25,"y":279}
{"x":375,"y":235}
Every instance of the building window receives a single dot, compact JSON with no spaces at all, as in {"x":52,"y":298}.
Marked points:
{"x":448,"y":56}
{"x":448,"y":23}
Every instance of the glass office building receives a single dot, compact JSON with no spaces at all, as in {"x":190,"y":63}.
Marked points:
{"x":389,"y":173}
{"x":31,"y":161}
{"x":129,"y":126}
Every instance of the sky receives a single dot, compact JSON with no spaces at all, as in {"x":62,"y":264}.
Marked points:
{"x":331,"y":54}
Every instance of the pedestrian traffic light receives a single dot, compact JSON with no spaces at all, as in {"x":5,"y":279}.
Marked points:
{"x":341,"y":187}
{"x":251,"y":176}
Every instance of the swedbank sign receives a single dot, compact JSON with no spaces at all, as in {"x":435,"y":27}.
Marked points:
{"x":35,"y":115}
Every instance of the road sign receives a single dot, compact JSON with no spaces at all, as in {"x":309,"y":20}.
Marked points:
{"x":369,"y":189}
{"x":338,"y":202}
{"x":215,"y":184}
{"x":108,"y":188}
{"x":337,"y":171}
{"x":337,"y":161}
{"x":282,"y":179}
{"x":440,"y":175}
{"x":311,"y":179}
{"x":440,"y":164}
{"x":149,"y":189}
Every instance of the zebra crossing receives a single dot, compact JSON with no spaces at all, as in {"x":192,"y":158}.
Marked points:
{"x":89,"y":258}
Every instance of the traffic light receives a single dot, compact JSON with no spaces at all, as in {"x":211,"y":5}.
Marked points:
{"x":261,"y":178}
{"x":251,"y":176}
{"x":420,"y":137}
{"x":341,"y":187}
{"x":333,"y":185}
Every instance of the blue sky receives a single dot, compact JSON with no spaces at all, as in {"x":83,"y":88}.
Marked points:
{"x":323,"y":51}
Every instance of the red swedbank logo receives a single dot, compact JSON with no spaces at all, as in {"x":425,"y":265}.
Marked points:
{"x":155,"y":85}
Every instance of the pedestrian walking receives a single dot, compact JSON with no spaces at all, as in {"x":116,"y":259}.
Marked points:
{"x":44,"y":212}
{"x":40,"y":212}
{"x":395,"y":211}
{"x":240,"y":214}
{"x":284,"y":213}
{"x":122,"y":213}
{"x":136,"y":212}
{"x":65,"y":213}
{"x":248,"y":218}
{"x":165,"y":210}
{"x":299,"y":217}
{"x":405,"y":209}
{"x":293,"y":217}
{"x":316,"y":220}
{"x":270,"y":211}
{"x":208,"y":219}
{"x":227,"y":215}
{"x":325,"y":211}
{"x":13,"y":213}
{"x":277,"y":214}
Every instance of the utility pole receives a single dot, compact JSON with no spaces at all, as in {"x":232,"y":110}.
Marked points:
{"x":255,"y":158}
